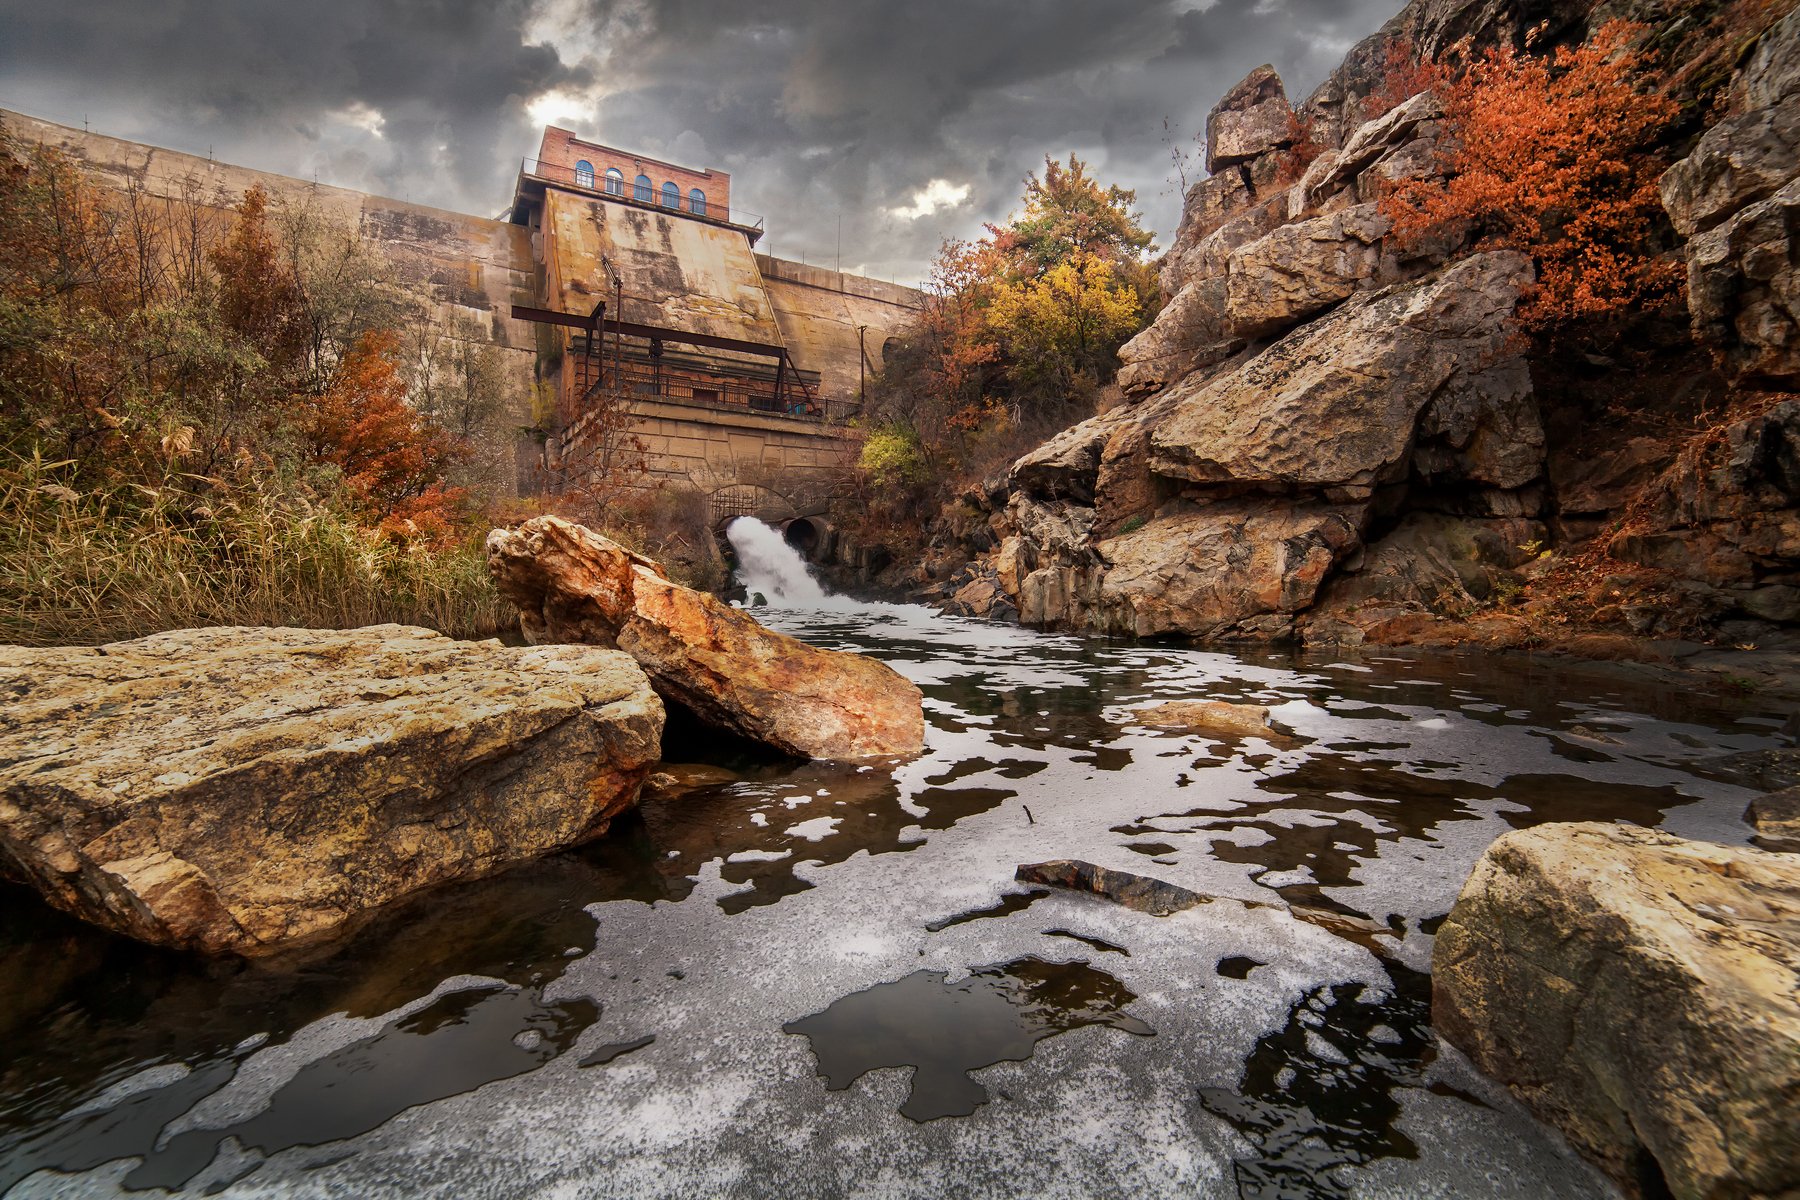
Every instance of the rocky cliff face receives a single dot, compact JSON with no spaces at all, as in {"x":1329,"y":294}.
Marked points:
{"x":1327,"y":437}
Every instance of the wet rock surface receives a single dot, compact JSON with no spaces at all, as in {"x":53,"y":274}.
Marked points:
{"x":1776,"y":818}
{"x":717,"y":662}
{"x":239,"y":789}
{"x":1139,"y":892}
{"x":1217,"y":716}
{"x":1638,"y":991}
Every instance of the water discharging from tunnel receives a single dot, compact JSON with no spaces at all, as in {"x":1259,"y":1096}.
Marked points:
{"x":768,"y":565}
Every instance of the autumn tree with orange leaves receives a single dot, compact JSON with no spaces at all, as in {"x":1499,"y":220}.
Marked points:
{"x":393,"y":460}
{"x":1018,"y":330}
{"x":1555,"y":156}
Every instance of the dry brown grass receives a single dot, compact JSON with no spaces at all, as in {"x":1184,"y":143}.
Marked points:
{"x":87,"y":568}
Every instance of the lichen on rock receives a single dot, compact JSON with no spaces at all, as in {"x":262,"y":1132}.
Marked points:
{"x":1638,"y":991}
{"x":237,"y":790}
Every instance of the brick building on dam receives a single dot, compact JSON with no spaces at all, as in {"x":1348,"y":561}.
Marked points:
{"x":632,"y":287}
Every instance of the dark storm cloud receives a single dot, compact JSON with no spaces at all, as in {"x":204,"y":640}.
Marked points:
{"x":825,"y":111}
{"x":282,"y":85}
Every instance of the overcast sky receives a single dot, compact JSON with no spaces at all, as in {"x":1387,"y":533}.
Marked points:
{"x":908,"y":120}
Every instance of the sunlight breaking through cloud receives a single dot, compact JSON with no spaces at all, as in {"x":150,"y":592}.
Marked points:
{"x":936,"y":195}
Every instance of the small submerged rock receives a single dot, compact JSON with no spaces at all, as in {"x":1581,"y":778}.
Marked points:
{"x":672,"y":781}
{"x":234,"y":790}
{"x":1776,"y":818}
{"x":1639,"y":992}
{"x":715,"y":661}
{"x":1214,"y":716}
{"x":1138,"y":892}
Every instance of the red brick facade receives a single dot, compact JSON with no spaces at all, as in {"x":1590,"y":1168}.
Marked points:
{"x":562,"y":149}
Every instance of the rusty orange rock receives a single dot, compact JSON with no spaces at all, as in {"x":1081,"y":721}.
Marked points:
{"x":573,"y":585}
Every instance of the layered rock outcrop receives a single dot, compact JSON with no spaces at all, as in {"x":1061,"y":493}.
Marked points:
{"x":1731,"y":523}
{"x":1330,"y":435}
{"x":1639,"y":992}
{"x":238,"y":790}
{"x":716,"y":662}
{"x":1220,"y":507}
{"x":1737,"y":199}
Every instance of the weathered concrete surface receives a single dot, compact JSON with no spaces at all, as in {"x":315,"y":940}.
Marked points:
{"x":1638,"y":991}
{"x":572,"y":585}
{"x":819,"y":312}
{"x":686,"y":445}
{"x":470,"y":267}
{"x":236,"y":790}
{"x":678,"y":272}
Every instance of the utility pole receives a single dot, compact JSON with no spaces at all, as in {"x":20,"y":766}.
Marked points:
{"x":862,"y":366}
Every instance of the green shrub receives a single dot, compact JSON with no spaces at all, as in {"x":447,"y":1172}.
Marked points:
{"x":892,"y":456}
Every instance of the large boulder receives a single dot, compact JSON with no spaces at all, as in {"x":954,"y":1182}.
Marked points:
{"x":1776,"y":818}
{"x":1334,"y":404}
{"x":1234,"y":570}
{"x":1639,"y":992}
{"x":1208,"y":256}
{"x":716,"y":662}
{"x":238,"y":790}
{"x":1298,"y":270}
{"x":1252,"y":120}
{"x":1065,"y":467}
{"x":1208,"y":206}
{"x":1189,"y":334}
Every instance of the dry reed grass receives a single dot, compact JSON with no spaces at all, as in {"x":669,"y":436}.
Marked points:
{"x":88,"y":568}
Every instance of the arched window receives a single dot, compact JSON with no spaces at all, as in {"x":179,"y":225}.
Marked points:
{"x":640,"y":189}
{"x":615,"y":182}
{"x":671,"y":196}
{"x":697,"y":201}
{"x":584,"y":174}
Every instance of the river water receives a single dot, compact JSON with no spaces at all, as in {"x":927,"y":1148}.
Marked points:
{"x":812,"y":980}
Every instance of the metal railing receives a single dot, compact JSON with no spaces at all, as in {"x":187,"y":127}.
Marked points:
{"x":795,"y":395}
{"x":627,"y":192}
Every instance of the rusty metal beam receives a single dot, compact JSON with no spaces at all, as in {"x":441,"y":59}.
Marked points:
{"x":633,"y":329}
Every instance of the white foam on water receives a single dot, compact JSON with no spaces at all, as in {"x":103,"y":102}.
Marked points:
{"x":768,"y":565}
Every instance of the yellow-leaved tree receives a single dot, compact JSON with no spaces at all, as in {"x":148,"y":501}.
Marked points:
{"x":1063,"y":327}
